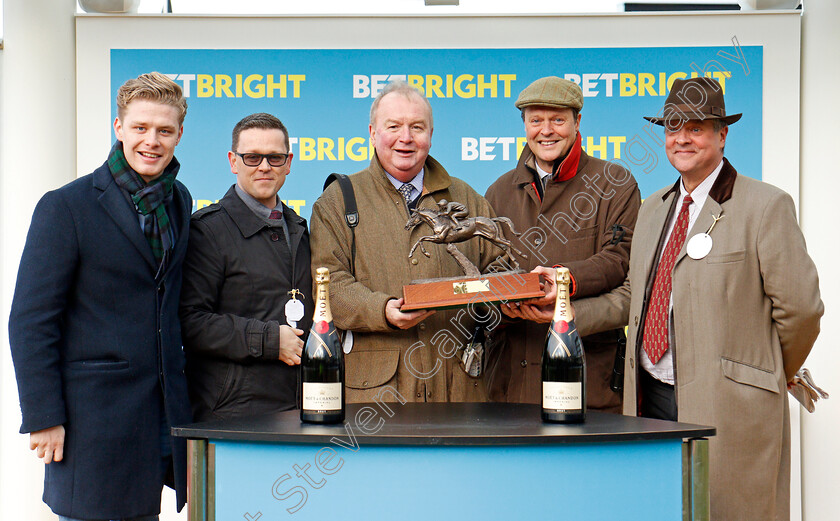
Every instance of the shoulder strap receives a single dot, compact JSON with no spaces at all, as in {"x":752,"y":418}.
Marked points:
{"x":351,"y":213}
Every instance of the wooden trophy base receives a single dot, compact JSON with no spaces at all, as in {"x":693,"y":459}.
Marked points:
{"x":456,"y":292}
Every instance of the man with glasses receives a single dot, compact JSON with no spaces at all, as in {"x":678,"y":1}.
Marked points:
{"x":246,"y":300}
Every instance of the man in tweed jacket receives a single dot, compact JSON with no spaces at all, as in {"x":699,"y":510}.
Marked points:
{"x":395,"y":355}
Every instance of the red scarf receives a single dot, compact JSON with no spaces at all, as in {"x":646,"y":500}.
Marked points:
{"x":569,"y":166}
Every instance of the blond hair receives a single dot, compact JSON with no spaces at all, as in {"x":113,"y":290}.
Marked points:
{"x":152,"y":86}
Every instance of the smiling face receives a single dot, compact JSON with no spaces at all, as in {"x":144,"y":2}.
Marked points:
{"x":402,"y":134}
{"x":149,"y":132}
{"x":695,"y":149}
{"x":550,"y":133}
{"x":262,"y":182}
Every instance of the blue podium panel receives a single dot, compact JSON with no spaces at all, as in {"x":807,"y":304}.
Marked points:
{"x":626,"y":480}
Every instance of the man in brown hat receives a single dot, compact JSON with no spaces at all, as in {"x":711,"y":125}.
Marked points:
{"x":724,"y":309}
{"x":579,"y":212}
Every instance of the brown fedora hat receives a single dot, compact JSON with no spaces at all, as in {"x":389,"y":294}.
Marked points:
{"x":696,"y":98}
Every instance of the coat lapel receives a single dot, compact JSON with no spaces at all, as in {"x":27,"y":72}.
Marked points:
{"x":114,"y":203}
{"x":701,"y":225}
{"x":720,"y":192}
{"x":182,"y":206}
{"x":296,"y":226}
{"x":654,"y":243}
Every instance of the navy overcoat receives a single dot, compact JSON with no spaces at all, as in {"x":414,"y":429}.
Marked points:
{"x":96,"y":344}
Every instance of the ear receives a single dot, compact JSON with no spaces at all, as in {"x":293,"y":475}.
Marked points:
{"x":118,"y":129}
{"x":232,"y":161}
{"x":372,"y":134}
{"x":180,"y":134}
{"x":289,"y":163}
{"x":723,"y":132}
{"x":577,"y":123}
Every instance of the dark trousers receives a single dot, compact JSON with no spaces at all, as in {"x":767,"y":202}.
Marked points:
{"x":658,"y":398}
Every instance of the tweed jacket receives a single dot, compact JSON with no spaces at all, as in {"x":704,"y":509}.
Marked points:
{"x":96,"y":343}
{"x":556,"y":231}
{"x":418,"y":362}
{"x":744,"y":318}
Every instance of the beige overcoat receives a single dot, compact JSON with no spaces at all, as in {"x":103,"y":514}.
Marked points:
{"x":419,"y":362}
{"x":745,"y":318}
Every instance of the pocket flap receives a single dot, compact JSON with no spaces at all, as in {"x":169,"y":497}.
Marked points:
{"x":368,"y":369}
{"x":749,"y":375}
{"x":724,"y":258}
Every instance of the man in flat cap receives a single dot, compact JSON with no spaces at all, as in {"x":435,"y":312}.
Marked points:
{"x":579,"y":212}
{"x":725,"y":307}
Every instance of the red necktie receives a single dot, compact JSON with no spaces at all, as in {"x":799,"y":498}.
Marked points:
{"x":656,"y":323}
{"x":275,"y":214}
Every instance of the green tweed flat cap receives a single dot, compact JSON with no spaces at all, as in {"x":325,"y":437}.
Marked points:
{"x":551,"y":91}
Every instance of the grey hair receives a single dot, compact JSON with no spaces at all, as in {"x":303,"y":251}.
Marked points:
{"x":403,"y":88}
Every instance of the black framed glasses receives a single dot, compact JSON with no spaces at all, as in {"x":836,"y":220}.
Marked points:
{"x":253,"y":159}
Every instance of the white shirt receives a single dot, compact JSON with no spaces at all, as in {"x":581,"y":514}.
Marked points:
{"x":543,"y":173}
{"x":664,"y":368}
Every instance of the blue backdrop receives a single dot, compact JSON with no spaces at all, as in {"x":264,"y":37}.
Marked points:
{"x":324,"y":98}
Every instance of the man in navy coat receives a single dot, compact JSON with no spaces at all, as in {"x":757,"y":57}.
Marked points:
{"x":94,"y":327}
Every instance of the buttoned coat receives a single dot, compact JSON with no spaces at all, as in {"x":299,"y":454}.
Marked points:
{"x":573,"y":225}
{"x":238,"y":273}
{"x":96,"y":345}
{"x":744,"y":319}
{"x":419,"y":362}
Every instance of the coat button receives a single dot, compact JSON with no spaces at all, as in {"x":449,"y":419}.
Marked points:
{"x":538,"y":241}
{"x":275,"y":237}
{"x":429,"y":394}
{"x":632,"y":365}
{"x":419,"y":395}
{"x":414,"y":261}
{"x":422,"y":326}
{"x":636,"y":320}
{"x":364,"y":384}
{"x":524,"y":363}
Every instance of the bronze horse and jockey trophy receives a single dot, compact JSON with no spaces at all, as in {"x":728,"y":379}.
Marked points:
{"x":450,"y":225}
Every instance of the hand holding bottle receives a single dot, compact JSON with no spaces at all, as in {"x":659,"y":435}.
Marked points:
{"x":548,"y":285}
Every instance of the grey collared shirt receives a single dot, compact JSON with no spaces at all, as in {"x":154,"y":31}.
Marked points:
{"x":263,"y":212}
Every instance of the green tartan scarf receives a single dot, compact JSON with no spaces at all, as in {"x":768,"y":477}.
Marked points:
{"x":149,"y":199}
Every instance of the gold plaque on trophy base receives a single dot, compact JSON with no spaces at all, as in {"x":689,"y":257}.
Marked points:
{"x":457,"y":292}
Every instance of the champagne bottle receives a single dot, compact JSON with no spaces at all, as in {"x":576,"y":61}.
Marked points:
{"x":322,"y":362}
{"x":563,"y":363}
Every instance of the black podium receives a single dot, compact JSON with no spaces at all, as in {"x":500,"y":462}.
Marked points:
{"x":423,"y":461}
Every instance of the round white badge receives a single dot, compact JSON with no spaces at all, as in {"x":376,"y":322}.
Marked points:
{"x":699,"y":246}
